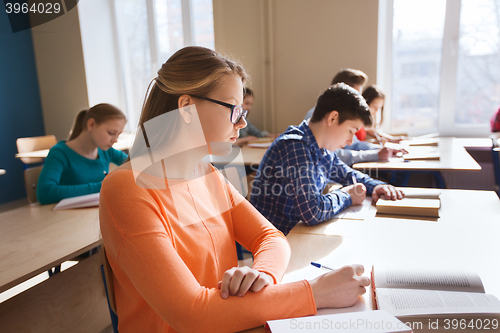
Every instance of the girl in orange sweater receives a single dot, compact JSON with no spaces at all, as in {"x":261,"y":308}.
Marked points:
{"x":169,"y":221}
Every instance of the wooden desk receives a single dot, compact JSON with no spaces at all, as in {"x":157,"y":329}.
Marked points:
{"x":36,"y":238}
{"x":245,"y":156}
{"x":458,"y":209}
{"x":465,"y":236}
{"x":125,"y":141}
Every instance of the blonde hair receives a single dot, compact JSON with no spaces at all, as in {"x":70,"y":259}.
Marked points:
{"x":192,"y":70}
{"x":100,"y":113}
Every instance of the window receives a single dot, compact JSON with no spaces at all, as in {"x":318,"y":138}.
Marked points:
{"x":439,"y":62}
{"x":149,"y":32}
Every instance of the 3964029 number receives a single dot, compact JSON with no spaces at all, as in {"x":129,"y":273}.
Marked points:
{"x":40,"y":8}
{"x":471,"y":324}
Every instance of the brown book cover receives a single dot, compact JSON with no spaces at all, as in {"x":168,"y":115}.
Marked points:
{"x":409,"y":206}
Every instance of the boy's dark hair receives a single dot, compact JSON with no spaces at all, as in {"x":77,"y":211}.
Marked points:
{"x":344,"y":99}
{"x":350,"y":77}
{"x":247,"y":92}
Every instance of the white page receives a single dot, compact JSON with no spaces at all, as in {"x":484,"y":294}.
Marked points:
{"x":360,"y":305}
{"x":359,"y":212}
{"x":411,"y":192}
{"x":82,"y":201}
{"x":366,"y":321}
{"x":435,"y":279}
{"x":402,"y":302}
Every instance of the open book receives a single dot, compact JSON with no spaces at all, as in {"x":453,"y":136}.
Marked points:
{"x":353,"y":322}
{"x":435,"y":297}
{"x":82,"y":201}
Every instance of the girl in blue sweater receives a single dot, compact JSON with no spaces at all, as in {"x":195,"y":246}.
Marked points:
{"x":79,"y":165}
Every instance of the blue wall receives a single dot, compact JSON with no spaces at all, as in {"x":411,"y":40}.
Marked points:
{"x":20,"y":107}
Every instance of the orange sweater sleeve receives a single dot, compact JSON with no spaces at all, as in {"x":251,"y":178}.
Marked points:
{"x":268,"y":245}
{"x":155,"y":287}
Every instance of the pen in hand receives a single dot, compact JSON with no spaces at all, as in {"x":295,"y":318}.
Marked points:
{"x":354,"y":181}
{"x":379,"y":138}
{"x":315,"y":264}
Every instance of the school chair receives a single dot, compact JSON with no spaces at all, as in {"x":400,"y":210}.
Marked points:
{"x":26,"y":145}
{"x":30,"y":181}
{"x":233,"y":175}
{"x":107,"y":278}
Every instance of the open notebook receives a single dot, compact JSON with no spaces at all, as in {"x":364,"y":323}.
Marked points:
{"x":82,"y":201}
{"x":365,"y":321}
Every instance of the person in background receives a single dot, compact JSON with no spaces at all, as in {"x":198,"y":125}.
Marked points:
{"x":296,"y":168}
{"x":250,"y":132}
{"x":352,"y":77}
{"x":78,"y":166}
{"x":375,"y":99}
{"x":495,"y":122}
{"x":359,"y":150}
{"x":169,"y":228}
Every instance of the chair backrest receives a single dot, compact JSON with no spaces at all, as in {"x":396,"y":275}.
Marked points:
{"x":26,"y":145}
{"x":30,"y":181}
{"x":237,"y":178}
{"x":107,"y":277}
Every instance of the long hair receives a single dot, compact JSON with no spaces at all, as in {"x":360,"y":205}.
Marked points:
{"x":370,"y":94}
{"x":100,"y":113}
{"x":192,"y":70}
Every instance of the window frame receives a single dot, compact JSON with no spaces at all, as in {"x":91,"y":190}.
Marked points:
{"x":121,"y":51}
{"x":448,"y":73}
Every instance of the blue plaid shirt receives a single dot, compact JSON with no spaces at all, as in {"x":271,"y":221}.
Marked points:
{"x":292,"y":175}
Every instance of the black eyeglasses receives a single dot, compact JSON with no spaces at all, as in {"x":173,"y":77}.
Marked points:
{"x":237,"y":111}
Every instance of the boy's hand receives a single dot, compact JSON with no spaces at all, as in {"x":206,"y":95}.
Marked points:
{"x":357,"y":193}
{"x":238,"y":280}
{"x":388,"y":191}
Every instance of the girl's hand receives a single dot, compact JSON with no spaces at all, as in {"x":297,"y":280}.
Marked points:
{"x":339,"y":288}
{"x":238,"y":280}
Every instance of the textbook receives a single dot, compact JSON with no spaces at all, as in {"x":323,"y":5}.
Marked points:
{"x":439,"y":300}
{"x":426,"y":156}
{"x":352,"y":322}
{"x":432,"y":142}
{"x":420,"y":193}
{"x":409,"y":206}
{"x":82,"y":201}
